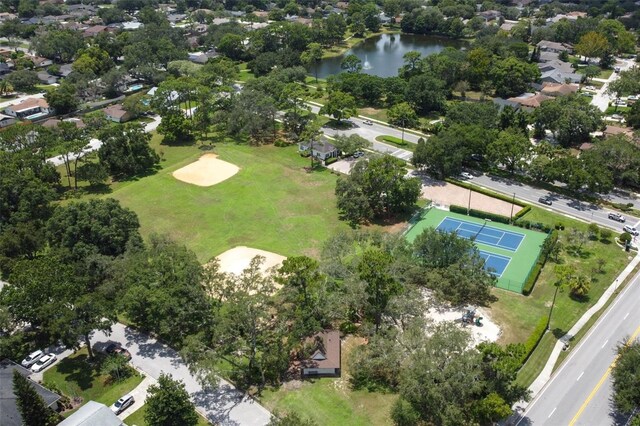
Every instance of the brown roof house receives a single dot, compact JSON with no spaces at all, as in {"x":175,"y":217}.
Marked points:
{"x":528,"y":100}
{"x":325,"y":355}
{"x":116,"y":113}
{"x":558,"y":89}
{"x":94,"y":31}
{"x":29,"y":109}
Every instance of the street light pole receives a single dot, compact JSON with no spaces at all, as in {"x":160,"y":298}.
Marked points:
{"x":512,"y":203}
{"x":469,"y":205}
{"x":553,"y":303}
{"x":403,"y":131}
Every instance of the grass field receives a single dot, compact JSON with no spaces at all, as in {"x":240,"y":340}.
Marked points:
{"x":137,"y":418}
{"x":522,"y":260}
{"x":74,"y":376}
{"x":330,"y":401}
{"x":273,"y":203}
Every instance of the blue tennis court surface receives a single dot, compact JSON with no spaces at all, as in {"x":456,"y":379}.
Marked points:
{"x":482,"y":233}
{"x":495,"y":263}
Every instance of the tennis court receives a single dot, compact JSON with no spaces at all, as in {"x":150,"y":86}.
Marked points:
{"x":509,"y":252}
{"x":482,"y":233}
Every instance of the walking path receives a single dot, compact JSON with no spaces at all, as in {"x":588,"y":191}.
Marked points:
{"x":546,"y":373}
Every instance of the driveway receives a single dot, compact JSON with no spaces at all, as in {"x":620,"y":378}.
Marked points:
{"x":139,"y":396}
{"x":223,"y":405}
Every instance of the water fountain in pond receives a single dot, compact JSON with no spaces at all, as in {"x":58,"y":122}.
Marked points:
{"x":366,"y":65}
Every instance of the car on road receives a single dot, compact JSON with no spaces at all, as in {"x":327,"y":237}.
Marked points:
{"x":630,"y":229}
{"x":116,"y":349}
{"x":122,"y":404}
{"x":545,"y":200}
{"x":368,"y":122}
{"x":466,"y":175}
{"x":43,"y":363}
{"x":32,"y":358}
{"x":617,"y":217}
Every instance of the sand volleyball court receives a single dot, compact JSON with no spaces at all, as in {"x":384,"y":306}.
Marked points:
{"x":238,"y":259}
{"x":207,"y":171}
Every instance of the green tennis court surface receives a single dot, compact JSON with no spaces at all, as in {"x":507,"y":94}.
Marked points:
{"x":509,"y":252}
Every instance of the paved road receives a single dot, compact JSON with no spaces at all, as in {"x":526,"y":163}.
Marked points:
{"x":562,"y":204}
{"x":579,"y":392}
{"x":601,"y":99}
{"x":224,"y":405}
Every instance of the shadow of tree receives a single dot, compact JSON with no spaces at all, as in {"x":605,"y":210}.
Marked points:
{"x":78,"y":370}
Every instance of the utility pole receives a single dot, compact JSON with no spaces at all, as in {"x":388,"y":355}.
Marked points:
{"x":469,"y":205}
{"x":553,"y":303}
{"x":403,"y":130}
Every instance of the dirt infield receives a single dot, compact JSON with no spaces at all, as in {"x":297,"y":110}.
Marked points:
{"x":445,"y":194}
{"x":207,"y":171}
{"x":238,"y":258}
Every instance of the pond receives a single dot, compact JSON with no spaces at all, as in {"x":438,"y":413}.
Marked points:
{"x":382,"y":55}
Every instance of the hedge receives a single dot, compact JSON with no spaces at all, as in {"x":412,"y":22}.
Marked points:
{"x":485,"y":192}
{"x":534,"y":338}
{"x":480,"y":214}
{"x":548,"y":243}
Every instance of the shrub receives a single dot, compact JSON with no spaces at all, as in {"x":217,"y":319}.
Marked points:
{"x":559,"y":226}
{"x":280,"y":143}
{"x":625,"y":237}
{"x":531,"y":279}
{"x":532,"y":342}
{"x":522,"y":212}
{"x":490,"y":194}
{"x":479,"y":214}
{"x":330,"y":161}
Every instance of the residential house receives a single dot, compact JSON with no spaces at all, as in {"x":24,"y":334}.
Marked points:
{"x":557,"y":71}
{"x":92,"y":414}
{"x":46,"y":78}
{"x":40,"y":62}
{"x":66,"y":69}
{"x":559,"y":89}
{"x":508,"y":25}
{"x":528,"y":101}
{"x":552,"y":46}
{"x":261,"y":13}
{"x":322,"y":149}
{"x":116,"y":113}
{"x":6,"y":120}
{"x":586,"y":146}
{"x":9,"y":414}
{"x":29,"y":108}
{"x":131,"y":25}
{"x":94,"y":31}
{"x":202,"y":57}
{"x":5,"y":68}
{"x":174,"y":18}
{"x":490,"y":15}
{"x":325,"y":355}
{"x":616,"y":130}
{"x":84,"y":9}
{"x":5,"y":16}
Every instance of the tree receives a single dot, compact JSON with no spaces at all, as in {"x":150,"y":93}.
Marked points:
{"x":312,"y":57}
{"x":426,"y":93}
{"x":570,"y":118}
{"x":73,"y":141}
{"x":590,"y":72}
{"x":30,"y":404}
{"x":350,"y":144}
{"x":381,"y":181}
{"x":58,"y":45}
{"x":175,"y":127}
{"x":125,"y":151}
{"x":339,"y":105}
{"x":23,"y":80}
{"x":411,"y":65}
{"x":512,"y":149}
{"x":116,"y":366}
{"x":626,"y":377}
{"x":373,"y":269}
{"x":402,"y":114}
{"x":592,"y":45}
{"x":351,"y":63}
{"x":63,"y":98}
{"x":93,"y":61}
{"x":231,"y":46}
{"x":168,"y":404}
{"x":512,"y":77}
{"x":95,"y":226}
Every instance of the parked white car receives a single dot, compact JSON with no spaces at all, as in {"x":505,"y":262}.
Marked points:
{"x":632,"y":230}
{"x":122,"y":404}
{"x":466,"y":175}
{"x":43,"y":363}
{"x":32,"y":358}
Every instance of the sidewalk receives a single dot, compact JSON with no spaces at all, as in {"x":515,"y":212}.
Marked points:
{"x":546,"y":373}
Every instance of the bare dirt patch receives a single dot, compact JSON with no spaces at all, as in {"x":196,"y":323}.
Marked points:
{"x":237,"y":259}
{"x":488,"y":332}
{"x":446,"y":194}
{"x":207,"y":171}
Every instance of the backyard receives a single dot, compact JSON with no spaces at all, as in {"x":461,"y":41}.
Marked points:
{"x":77,"y":377}
{"x":330,"y":401}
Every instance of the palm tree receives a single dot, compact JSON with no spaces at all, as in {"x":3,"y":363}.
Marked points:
{"x":579,"y":286}
{"x":5,"y":87}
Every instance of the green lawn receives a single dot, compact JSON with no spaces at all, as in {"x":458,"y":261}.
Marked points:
{"x":273,"y":203}
{"x":330,"y":401}
{"x":518,"y":315}
{"x":137,"y":418}
{"x":75,"y":377}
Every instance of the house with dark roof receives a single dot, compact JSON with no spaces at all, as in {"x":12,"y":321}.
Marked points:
{"x":94,"y":31}
{"x":324,"y":360}
{"x":9,"y":415}
{"x":552,"y":46}
{"x":92,"y":414}
{"x":6,"y":120}
{"x":322,"y":149}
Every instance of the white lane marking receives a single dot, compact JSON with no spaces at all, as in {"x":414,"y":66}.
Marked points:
{"x":605,"y":343}
{"x":554,"y":410}
{"x":625,"y":317}
{"x":580,"y":376}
